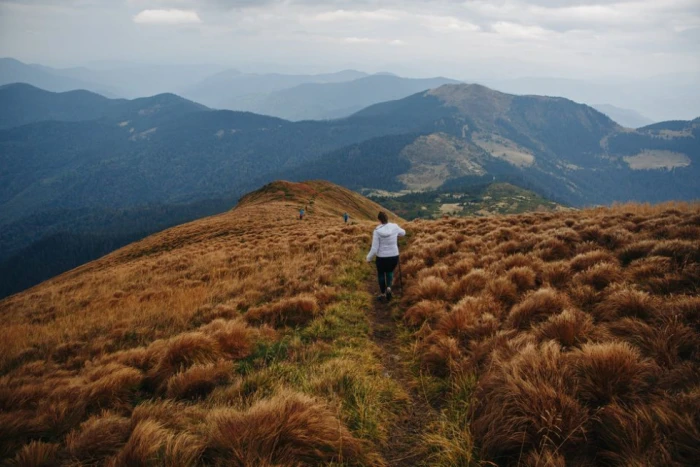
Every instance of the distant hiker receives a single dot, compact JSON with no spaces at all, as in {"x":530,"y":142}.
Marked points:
{"x":385,"y":247}
{"x":346,"y":217}
{"x":301,"y":214}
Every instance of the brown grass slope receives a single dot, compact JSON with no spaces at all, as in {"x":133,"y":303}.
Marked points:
{"x":560,"y":339}
{"x":238,"y":339}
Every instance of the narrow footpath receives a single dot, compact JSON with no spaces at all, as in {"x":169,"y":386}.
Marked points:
{"x":405,"y":446}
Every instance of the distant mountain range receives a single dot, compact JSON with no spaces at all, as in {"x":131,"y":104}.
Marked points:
{"x":569,"y":152}
{"x":625,"y":117}
{"x":78,"y":159}
{"x":292,"y":97}
{"x":128,"y":81}
{"x":22,"y":104}
{"x":14,"y":71}
{"x":313,"y":97}
{"x":320,"y":101}
{"x":233,"y":90}
{"x":660,"y":97}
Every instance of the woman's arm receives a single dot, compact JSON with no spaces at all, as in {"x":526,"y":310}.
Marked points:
{"x":375,"y":246}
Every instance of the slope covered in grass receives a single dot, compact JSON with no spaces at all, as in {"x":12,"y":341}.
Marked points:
{"x":560,"y":339}
{"x":248,"y":339}
{"x":239,"y":339}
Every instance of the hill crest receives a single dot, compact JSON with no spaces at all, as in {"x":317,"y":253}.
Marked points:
{"x":318,"y":197}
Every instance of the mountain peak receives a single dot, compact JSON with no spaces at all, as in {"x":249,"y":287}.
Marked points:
{"x":322,"y":198}
{"x":471,"y":97}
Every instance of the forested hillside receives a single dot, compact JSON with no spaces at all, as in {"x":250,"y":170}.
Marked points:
{"x":147,"y":154}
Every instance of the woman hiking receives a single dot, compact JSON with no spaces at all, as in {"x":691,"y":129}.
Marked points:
{"x":385,"y":247}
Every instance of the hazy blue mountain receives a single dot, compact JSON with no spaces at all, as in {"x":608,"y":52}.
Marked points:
{"x":133,"y":80}
{"x":626,"y":117}
{"x":662,"y":97}
{"x":14,"y":71}
{"x":318,"y":101}
{"x":234,"y":90}
{"x":162,"y":149}
{"x":21,"y":104}
{"x":166,"y":149}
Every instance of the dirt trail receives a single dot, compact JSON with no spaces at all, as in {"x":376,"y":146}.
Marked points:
{"x":405,"y":445}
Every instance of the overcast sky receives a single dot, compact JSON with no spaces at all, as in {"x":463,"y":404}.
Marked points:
{"x":460,"y":39}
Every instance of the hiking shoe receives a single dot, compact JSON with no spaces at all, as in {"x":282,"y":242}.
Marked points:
{"x":388,"y":293}
{"x":381,"y":297}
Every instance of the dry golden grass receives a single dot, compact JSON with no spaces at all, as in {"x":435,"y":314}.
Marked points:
{"x":243,"y":339}
{"x":580,"y":331}
{"x":204,"y":344}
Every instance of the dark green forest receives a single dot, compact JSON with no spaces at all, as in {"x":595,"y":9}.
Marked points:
{"x":81,"y":174}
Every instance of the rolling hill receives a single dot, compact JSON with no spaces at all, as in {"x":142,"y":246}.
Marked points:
{"x":251,"y":337}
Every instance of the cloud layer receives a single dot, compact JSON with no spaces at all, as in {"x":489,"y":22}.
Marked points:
{"x":461,"y":38}
{"x":167,"y":17}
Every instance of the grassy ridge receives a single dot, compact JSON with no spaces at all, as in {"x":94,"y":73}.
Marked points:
{"x":238,"y":339}
{"x":560,"y":339}
{"x":565,"y":338}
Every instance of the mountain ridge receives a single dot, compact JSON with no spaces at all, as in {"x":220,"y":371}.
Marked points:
{"x":166,"y":150}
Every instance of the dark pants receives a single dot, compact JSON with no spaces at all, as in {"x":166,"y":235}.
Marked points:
{"x":385,"y":271}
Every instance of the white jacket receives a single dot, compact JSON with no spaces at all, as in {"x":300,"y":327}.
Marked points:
{"x":384,"y":241}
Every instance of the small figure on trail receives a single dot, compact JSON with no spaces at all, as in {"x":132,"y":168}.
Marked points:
{"x":346,"y":217}
{"x":385,"y":247}
{"x":301,"y":214}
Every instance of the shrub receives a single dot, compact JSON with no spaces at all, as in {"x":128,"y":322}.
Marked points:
{"x":600,"y":276}
{"x":145,"y":444}
{"x":199,"y":380}
{"x":635,"y":250}
{"x":98,"y":437}
{"x":114,"y":390}
{"x":556,"y":274}
{"x":425,"y":310}
{"x":553,"y":249}
{"x":614,"y":238}
{"x":288,"y":429}
{"x":37,"y":454}
{"x":525,"y":404}
{"x":537,"y":305}
{"x":439,"y":354}
{"x":627,"y":303}
{"x":523,"y":277}
{"x":471,"y":284}
{"x":630,"y":437}
{"x":234,"y":337}
{"x":612,"y":372}
{"x":428,"y":288}
{"x":471,"y":318}
{"x":295,"y":311}
{"x":503,"y":290}
{"x":584,"y":261}
{"x":462,"y":267}
{"x":182,"y":352}
{"x":570,"y":328}
{"x":680,"y":251}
